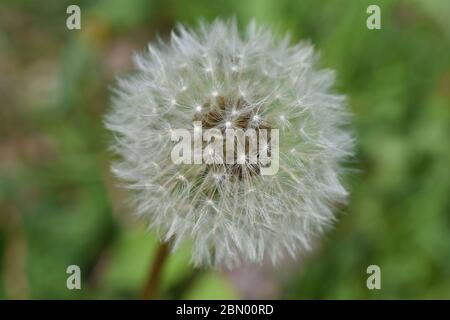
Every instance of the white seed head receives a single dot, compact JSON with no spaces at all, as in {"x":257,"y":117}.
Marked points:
{"x":232,"y":214}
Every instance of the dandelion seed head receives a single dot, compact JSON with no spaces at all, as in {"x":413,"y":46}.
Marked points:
{"x":232,"y":213}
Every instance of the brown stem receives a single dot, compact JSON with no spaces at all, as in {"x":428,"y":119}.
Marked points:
{"x":151,"y":289}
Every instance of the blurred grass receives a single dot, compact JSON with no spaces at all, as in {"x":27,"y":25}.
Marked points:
{"x":60,"y":206}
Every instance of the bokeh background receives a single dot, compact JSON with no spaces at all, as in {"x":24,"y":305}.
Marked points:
{"x":59,"y":204}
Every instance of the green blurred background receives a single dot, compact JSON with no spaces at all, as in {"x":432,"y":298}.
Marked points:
{"x":59,"y":204}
